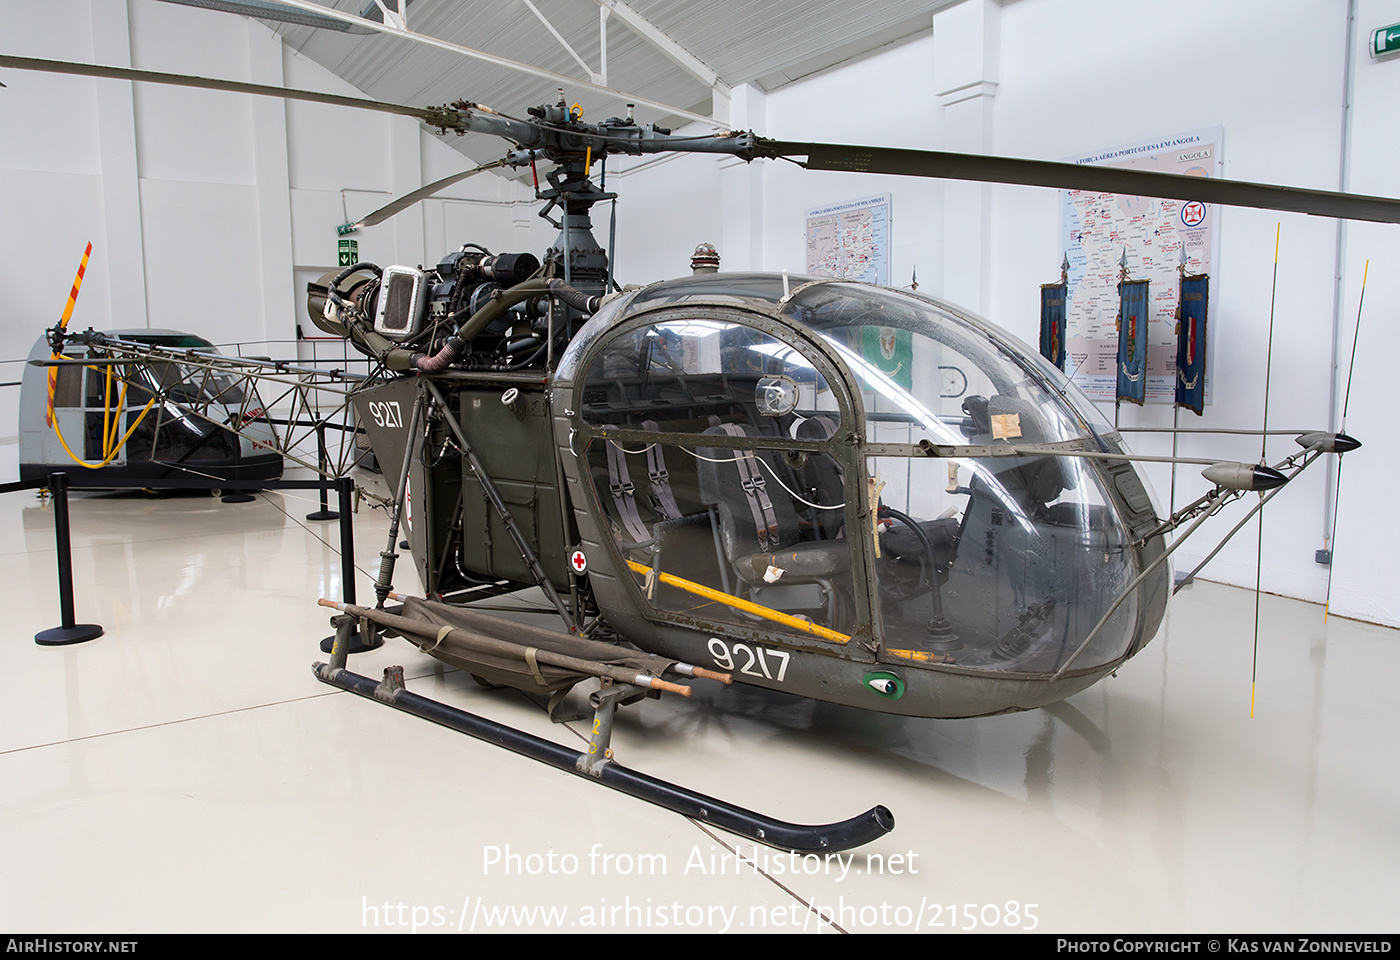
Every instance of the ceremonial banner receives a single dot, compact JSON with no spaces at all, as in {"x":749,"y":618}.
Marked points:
{"x":1132,"y":340}
{"x":1052,"y":323}
{"x":1191,"y":342}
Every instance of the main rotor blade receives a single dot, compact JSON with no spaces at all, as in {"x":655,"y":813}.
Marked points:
{"x":422,"y":193}
{"x":1074,"y":176}
{"x":427,"y":114}
{"x":847,"y":157}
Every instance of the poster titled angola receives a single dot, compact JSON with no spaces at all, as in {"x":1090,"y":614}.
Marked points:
{"x":1100,"y":227}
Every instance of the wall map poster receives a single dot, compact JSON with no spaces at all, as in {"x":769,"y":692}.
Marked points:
{"x":1100,"y":227}
{"x":850,"y":240}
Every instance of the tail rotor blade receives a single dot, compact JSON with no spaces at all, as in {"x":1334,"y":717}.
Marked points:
{"x":77,"y":285}
{"x":63,"y":325}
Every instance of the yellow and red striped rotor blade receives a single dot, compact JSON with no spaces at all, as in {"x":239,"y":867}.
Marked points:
{"x":63,"y":325}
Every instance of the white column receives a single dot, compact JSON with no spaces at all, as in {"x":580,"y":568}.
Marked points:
{"x":123,"y":245}
{"x":269,"y":114}
{"x":966,"y":51}
{"x":741,"y":187}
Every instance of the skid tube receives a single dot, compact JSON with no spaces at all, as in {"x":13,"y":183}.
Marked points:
{"x":799,"y":838}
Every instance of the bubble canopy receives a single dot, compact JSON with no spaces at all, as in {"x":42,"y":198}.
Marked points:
{"x":760,"y":449}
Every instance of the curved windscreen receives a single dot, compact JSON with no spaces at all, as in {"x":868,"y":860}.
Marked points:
{"x":1002,"y":562}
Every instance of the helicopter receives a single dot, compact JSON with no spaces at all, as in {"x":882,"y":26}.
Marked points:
{"x":706,"y":478}
{"x":159,"y":448}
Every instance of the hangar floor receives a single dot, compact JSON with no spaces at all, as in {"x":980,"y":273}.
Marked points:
{"x":185,"y":772}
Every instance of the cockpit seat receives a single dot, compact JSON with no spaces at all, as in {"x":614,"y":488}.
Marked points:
{"x":758,"y":526}
{"x":808,"y":560}
{"x":821,"y":478}
{"x":1033,"y":481}
{"x":904,"y":545}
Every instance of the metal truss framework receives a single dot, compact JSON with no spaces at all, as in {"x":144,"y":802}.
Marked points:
{"x":286,"y":405}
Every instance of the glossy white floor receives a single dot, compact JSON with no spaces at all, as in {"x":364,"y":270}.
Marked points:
{"x":186,"y":772}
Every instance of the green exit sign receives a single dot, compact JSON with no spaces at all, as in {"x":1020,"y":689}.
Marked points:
{"x":349,"y":252}
{"x":1386,"y":41}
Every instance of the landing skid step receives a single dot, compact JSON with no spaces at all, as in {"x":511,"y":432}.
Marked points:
{"x":800,"y":838}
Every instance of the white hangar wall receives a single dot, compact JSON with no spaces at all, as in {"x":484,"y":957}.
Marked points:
{"x":1274,"y":77}
{"x":1049,"y":79}
{"x":208,"y":211}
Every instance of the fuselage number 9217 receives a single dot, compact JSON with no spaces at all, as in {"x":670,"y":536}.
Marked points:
{"x":750,"y":659}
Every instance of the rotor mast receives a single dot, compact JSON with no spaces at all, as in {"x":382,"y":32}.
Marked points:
{"x":557,"y":133}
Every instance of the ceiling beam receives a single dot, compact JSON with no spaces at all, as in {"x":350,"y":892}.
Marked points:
{"x":592,"y":75}
{"x":559,"y":78}
{"x":662,"y":41}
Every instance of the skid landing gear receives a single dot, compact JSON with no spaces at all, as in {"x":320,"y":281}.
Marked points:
{"x":596,"y":764}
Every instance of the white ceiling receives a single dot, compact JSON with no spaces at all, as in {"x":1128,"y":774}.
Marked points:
{"x":742,"y":41}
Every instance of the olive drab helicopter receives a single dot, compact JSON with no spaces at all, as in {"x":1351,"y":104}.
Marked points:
{"x":707,"y":478}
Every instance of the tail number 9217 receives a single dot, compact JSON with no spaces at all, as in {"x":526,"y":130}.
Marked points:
{"x":752,"y":659}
